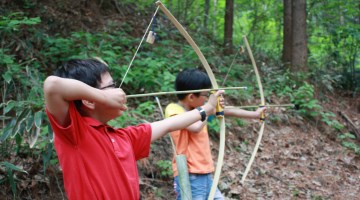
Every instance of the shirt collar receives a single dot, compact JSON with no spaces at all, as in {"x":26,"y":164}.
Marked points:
{"x":95,"y":123}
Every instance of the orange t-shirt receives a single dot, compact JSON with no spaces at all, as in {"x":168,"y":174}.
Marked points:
{"x":195,"y":146}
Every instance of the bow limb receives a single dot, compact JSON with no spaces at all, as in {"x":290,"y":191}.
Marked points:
{"x":262,"y":117}
{"x":215,"y":86}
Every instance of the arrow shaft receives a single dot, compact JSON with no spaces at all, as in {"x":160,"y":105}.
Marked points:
{"x":254,"y":106}
{"x":182,"y":92}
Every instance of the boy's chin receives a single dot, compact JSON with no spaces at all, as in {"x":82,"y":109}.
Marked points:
{"x":120,"y":113}
{"x":116,"y":115}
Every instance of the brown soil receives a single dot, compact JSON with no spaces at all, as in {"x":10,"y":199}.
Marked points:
{"x":296,"y":160}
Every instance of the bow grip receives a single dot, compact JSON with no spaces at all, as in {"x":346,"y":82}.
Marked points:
{"x":219,"y":110}
{"x":262,"y":116}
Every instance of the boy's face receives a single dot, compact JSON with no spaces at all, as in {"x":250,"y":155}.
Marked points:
{"x":199,"y":100}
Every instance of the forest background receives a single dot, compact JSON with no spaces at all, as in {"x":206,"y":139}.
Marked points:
{"x":307,"y":53}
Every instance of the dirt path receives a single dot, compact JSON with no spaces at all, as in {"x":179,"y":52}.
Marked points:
{"x":294,"y":164}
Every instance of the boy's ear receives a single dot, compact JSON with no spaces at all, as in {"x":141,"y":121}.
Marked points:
{"x":88,"y":104}
{"x":190,"y":97}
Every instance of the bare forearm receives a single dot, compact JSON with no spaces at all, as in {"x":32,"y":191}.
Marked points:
{"x":197,"y":126}
{"x":177,"y":122}
{"x":240,"y":113}
{"x":70,"y":89}
{"x":59,"y":92}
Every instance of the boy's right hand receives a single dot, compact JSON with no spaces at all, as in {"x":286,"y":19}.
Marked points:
{"x":210,"y":106}
{"x":115,"y":97}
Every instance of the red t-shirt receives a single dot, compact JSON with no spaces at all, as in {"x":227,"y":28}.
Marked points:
{"x":99,"y":162}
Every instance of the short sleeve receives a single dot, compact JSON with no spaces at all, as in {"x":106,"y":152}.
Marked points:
{"x":70,"y":134}
{"x":173,"y":109}
{"x":140,"y":137}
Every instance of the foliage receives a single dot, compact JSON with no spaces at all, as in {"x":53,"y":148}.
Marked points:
{"x":333,"y":26}
{"x":213,"y":125}
{"x":21,"y":90}
{"x":145,"y":109}
{"x":347,"y":141}
{"x":282,"y":85}
{"x":304,"y":98}
{"x":10,"y":169}
{"x":334,"y":41}
{"x":12,"y":22}
{"x":240,"y":122}
{"x":165,"y":167}
{"x":329,"y":119}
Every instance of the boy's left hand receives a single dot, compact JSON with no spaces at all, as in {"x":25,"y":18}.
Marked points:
{"x":213,"y":100}
{"x":260,"y":110}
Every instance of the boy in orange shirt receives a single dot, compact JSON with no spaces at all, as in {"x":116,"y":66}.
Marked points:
{"x":193,"y":141}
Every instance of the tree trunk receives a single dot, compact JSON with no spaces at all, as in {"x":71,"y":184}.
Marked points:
{"x":214,"y":21}
{"x":299,"y":37}
{"x":185,"y":11}
{"x":228,"y":29}
{"x":206,"y":17}
{"x":286,"y":53}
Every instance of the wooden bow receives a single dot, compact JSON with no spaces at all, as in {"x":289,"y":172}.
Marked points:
{"x":262,"y":117}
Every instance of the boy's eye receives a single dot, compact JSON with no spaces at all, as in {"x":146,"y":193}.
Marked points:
{"x":108,"y":86}
{"x":205,"y":94}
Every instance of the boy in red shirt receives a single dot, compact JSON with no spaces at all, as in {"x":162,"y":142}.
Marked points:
{"x":98,"y":161}
{"x":193,"y":141}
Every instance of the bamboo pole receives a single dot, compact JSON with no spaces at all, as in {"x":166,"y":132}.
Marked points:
{"x":182,"y":92}
{"x":184,"y":180}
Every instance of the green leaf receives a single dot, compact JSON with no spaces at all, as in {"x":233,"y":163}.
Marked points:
{"x":29,"y":122}
{"x":19,"y":120}
{"x":22,"y":129}
{"x":8,"y":165}
{"x":7,"y":77}
{"x":7,"y":130}
{"x":51,"y":133}
{"x":2,"y":117}
{"x":33,"y":136}
{"x":11,"y":180}
{"x":10,"y":105}
{"x":38,"y":118}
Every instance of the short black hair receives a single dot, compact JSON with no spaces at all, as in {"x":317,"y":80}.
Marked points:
{"x":191,"y":79}
{"x":88,"y":71}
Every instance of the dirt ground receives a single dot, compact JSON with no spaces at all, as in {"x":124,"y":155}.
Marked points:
{"x":295,"y":160}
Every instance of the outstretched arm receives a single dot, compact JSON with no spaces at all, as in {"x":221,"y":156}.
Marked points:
{"x":183,"y":120}
{"x":240,"y":113}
